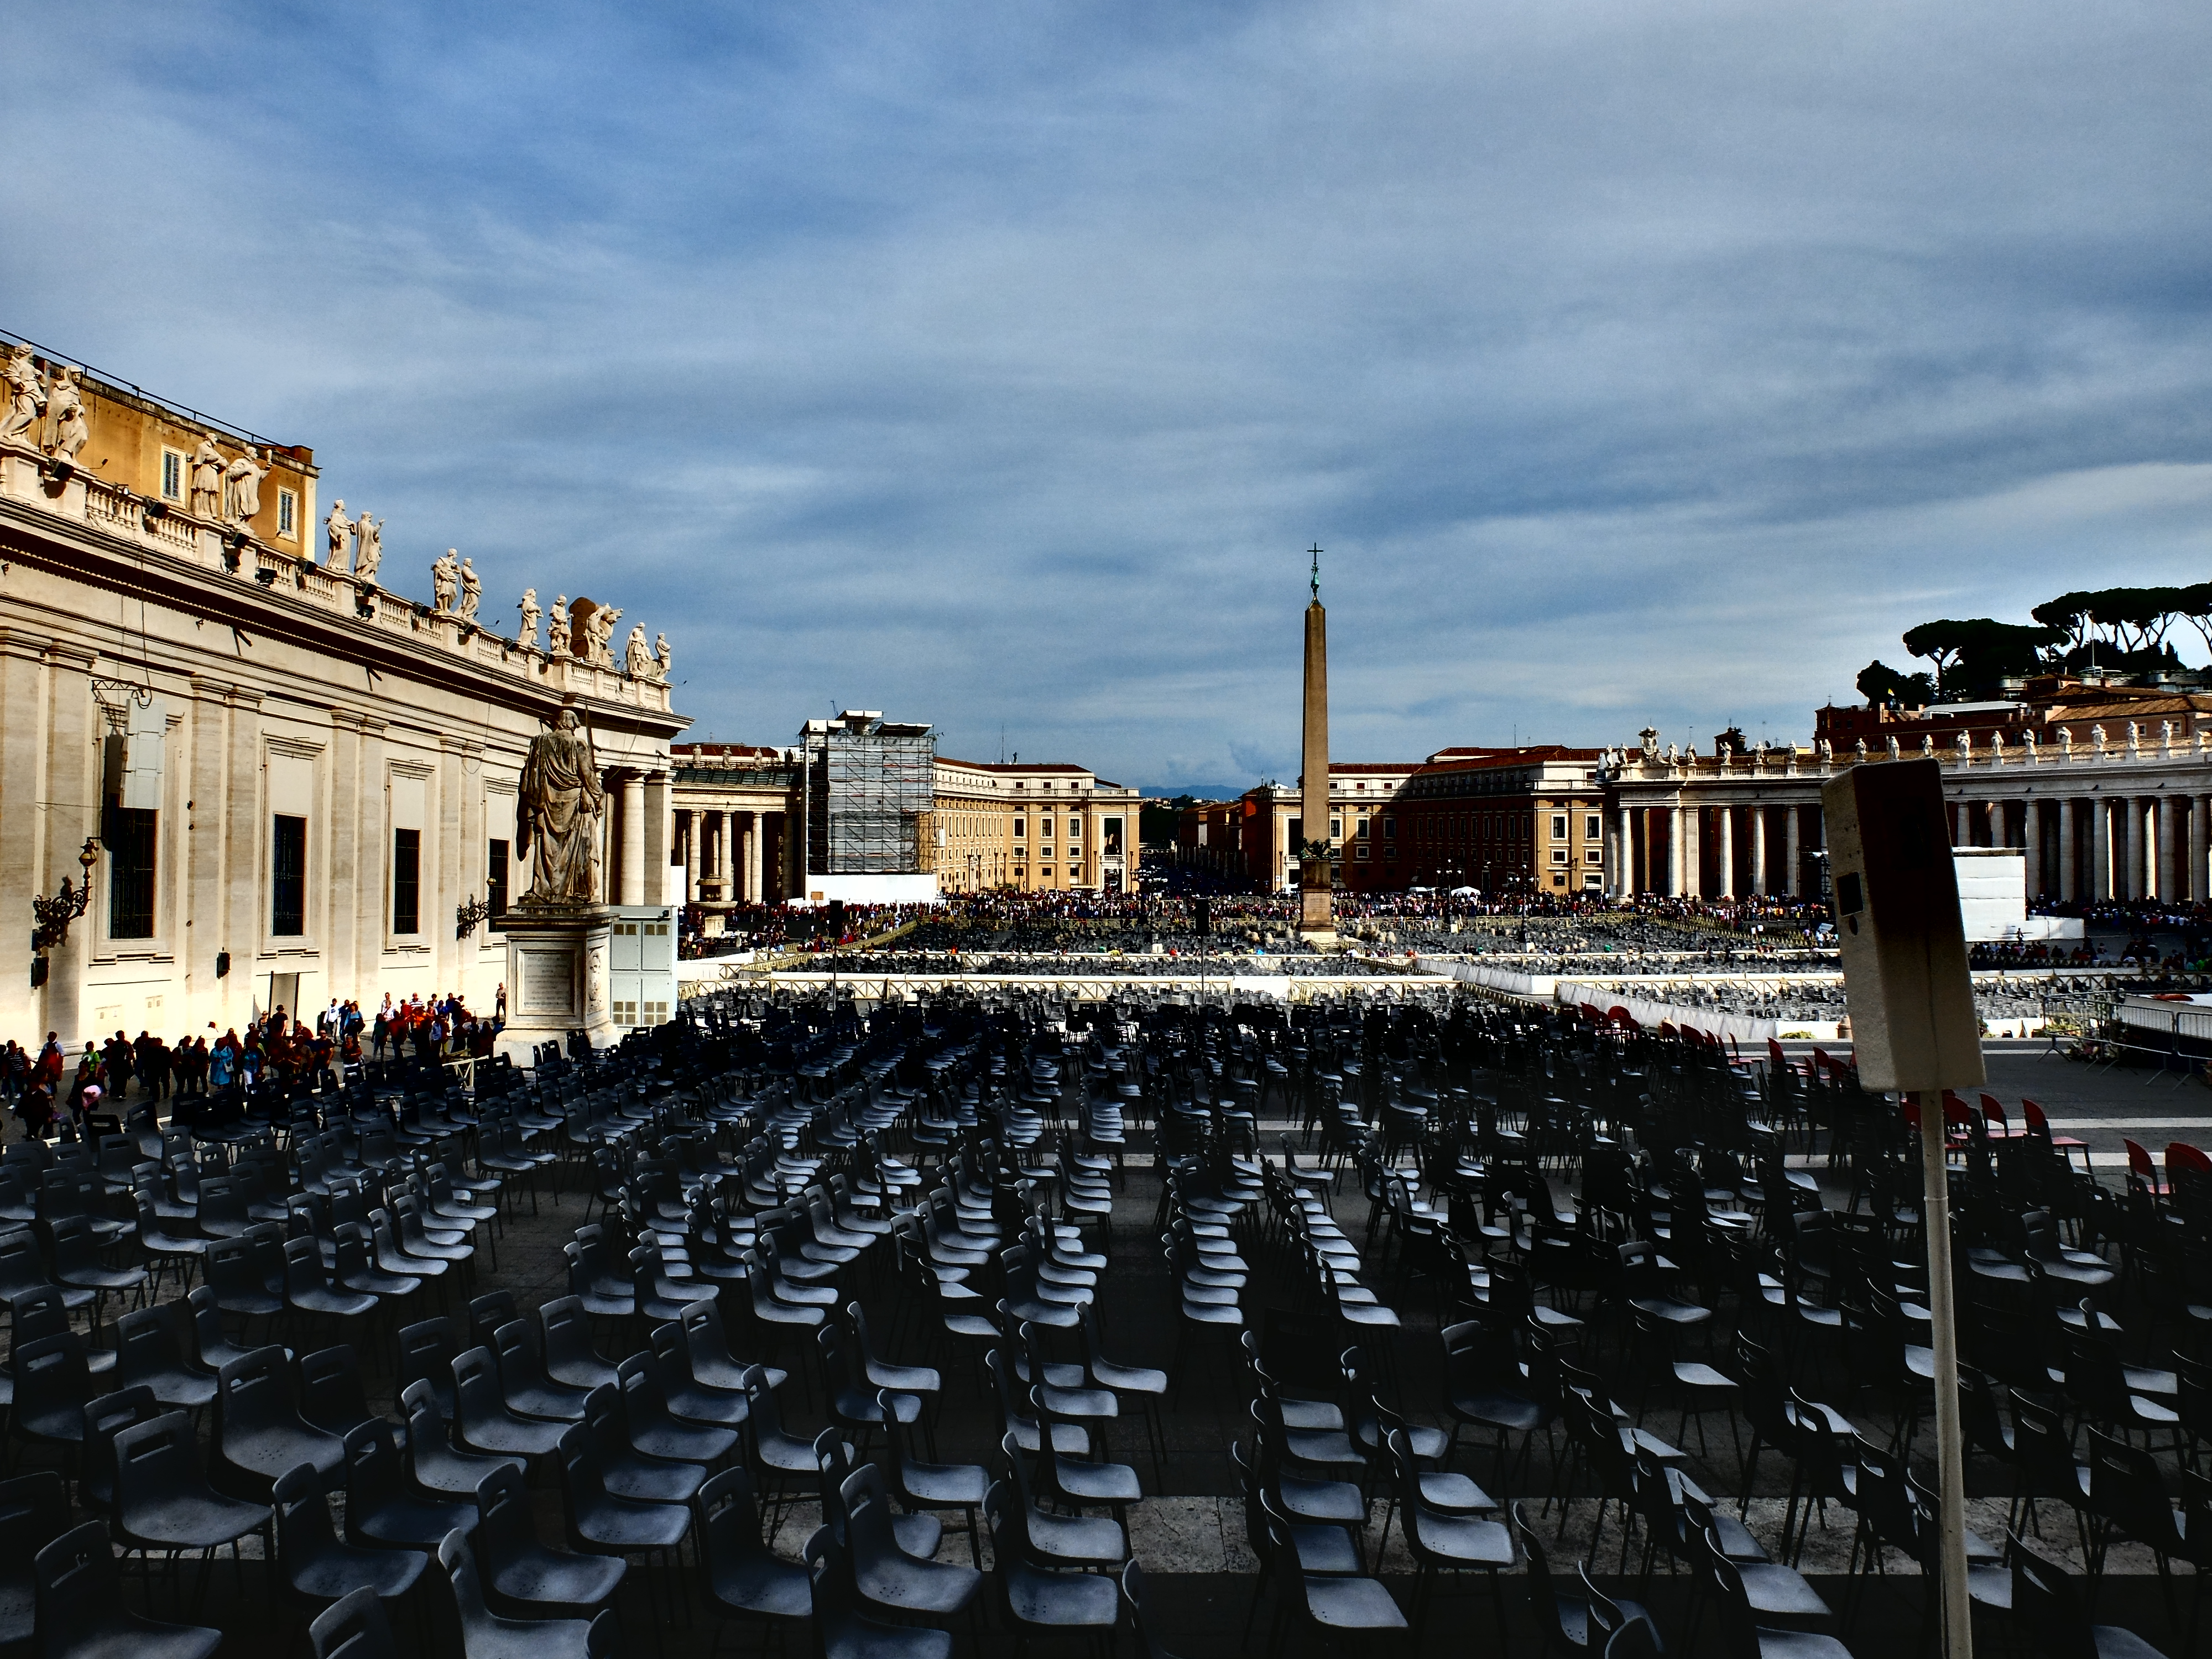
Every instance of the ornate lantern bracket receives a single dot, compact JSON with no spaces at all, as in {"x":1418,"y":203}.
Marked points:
{"x":467,"y":917}
{"x":53,"y":915}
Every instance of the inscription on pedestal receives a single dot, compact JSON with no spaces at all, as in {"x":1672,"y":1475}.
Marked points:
{"x":548,"y":982}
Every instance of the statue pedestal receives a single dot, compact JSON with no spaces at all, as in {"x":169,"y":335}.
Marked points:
{"x":1316,"y":915}
{"x":556,"y":978}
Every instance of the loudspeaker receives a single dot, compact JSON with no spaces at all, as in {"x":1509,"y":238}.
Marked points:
{"x":837,"y":918}
{"x":1906,"y":976}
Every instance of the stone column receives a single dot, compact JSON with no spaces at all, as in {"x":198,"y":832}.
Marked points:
{"x":1677,"y":831}
{"x":2127,"y":856}
{"x":1962,"y":833}
{"x":242,"y":916}
{"x":1694,"y":852}
{"x":690,"y":830}
{"x":1724,"y":817}
{"x":1758,"y":851}
{"x":2069,"y":874}
{"x":69,"y":795}
{"x":633,"y":837}
{"x":2169,"y":871}
{"x":660,"y":836}
{"x":2200,"y":868}
{"x":23,"y":692}
{"x":1624,"y":868}
{"x":2101,"y":846}
{"x":1792,"y":854}
{"x":753,"y":828}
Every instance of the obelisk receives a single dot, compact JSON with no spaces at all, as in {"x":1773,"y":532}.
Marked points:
{"x":1316,"y":917}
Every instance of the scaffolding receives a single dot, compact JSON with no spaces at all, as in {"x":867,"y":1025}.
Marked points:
{"x":870,"y":786}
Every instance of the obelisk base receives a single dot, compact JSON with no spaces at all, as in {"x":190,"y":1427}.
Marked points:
{"x":1316,"y":916}
{"x":556,"y":979}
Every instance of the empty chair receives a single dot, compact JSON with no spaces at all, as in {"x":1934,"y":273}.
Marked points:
{"x":354,"y":1628}
{"x":886,"y":1576}
{"x":258,"y":1432}
{"x":603,"y":1524}
{"x":384,"y":1509}
{"x":104,"y":1419}
{"x":355,"y":1267}
{"x":485,"y":1635}
{"x":1063,"y":1540}
{"x":844,"y":1631}
{"x":653,"y":1429}
{"x":77,"y":1245}
{"x":210,"y":1346}
{"x":960,"y":1486}
{"x":745,"y":1580}
{"x":2051,"y":1619}
{"x":427,"y":1352}
{"x":481,"y":1422}
{"x":316,"y":1567}
{"x":565,"y":1338}
{"x":53,"y":1385}
{"x":331,"y":1397}
{"x":1033,"y":1596}
{"x":81,"y":1609}
{"x":524,"y":1578}
{"x":162,"y":1501}
{"x":707,"y":1343}
{"x":150,"y":1349}
{"x":523,"y":1383}
{"x":627,"y":1471}
{"x":35,"y":1511}
{"x":433,"y":1465}
{"x":690,"y":1400}
{"x":239,"y":1288}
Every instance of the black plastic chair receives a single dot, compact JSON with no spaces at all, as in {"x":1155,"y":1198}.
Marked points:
{"x":566,"y":1340}
{"x":433,"y":1465}
{"x":258,"y":1432}
{"x":707,"y":1342}
{"x":1329,"y":1602}
{"x":53,"y":1385}
{"x":1035,"y":1598}
{"x":690,"y":1400}
{"x":960,"y":1486}
{"x":81,"y":1609}
{"x":427,"y":1352}
{"x":239,"y":1288}
{"x":150,"y":1349}
{"x":211,"y":1347}
{"x":485,"y":1635}
{"x":843,"y":1629}
{"x":528,"y":1391}
{"x":523,"y":1579}
{"x":384,"y":1509}
{"x":2050,"y":1619}
{"x":163,"y":1502}
{"x":354,"y":1628}
{"x":601,"y":1523}
{"x":35,"y":1511}
{"x":318,"y":1568}
{"x":104,"y":1419}
{"x":653,"y":1427}
{"x":1444,"y":1542}
{"x":745,"y":1580}
{"x":627,"y":1471}
{"x":481,"y":1422}
{"x":1063,"y":1540}
{"x":332,"y":1396}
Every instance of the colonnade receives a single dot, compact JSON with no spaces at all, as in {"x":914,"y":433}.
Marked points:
{"x":2091,"y":844}
{"x":721,"y":855}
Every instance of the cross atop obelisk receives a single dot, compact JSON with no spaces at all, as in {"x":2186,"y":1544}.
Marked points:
{"x":1315,"y":916}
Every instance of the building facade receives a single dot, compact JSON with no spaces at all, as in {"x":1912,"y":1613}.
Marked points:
{"x":1034,"y":827}
{"x":289,"y":783}
{"x":734,"y":806}
{"x":2109,"y":798}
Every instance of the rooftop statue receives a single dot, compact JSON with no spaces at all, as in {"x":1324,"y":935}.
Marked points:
{"x":472,"y":591}
{"x":241,"y":487}
{"x":445,"y":580}
{"x":527,"y":639}
{"x":662,"y":657}
{"x":637,"y":655}
{"x":337,"y":529}
{"x":558,"y":810}
{"x":65,"y":408}
{"x":369,"y":536}
{"x":207,"y":480}
{"x":26,"y":397}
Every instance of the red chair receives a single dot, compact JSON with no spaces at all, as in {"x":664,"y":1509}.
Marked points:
{"x":2181,"y":1156}
{"x":2064,"y":1146}
{"x":2140,"y":1168}
{"x":1999,"y":1126}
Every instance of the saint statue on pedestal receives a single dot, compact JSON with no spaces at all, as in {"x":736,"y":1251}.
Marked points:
{"x":558,"y":814}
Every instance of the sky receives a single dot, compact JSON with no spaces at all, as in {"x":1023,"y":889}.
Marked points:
{"x":995,"y":365}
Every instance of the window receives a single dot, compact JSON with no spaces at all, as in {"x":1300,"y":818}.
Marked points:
{"x":1389,"y":829}
{"x":128,"y":835}
{"x":1592,"y":827}
{"x":1110,"y":830}
{"x":1558,"y":826}
{"x":495,"y":879}
{"x":406,"y":881}
{"x":1044,"y":827}
{"x":172,"y":475}
{"x":288,"y":876}
{"x":288,"y":513}
{"x":1592,"y":855}
{"x":1021,"y":828}
{"x":1559,"y":855}
{"x":1363,"y":831}
{"x":1558,"y":880}
{"x":1363,"y":852}
{"x":1336,"y":829}
{"x":1075,"y":829}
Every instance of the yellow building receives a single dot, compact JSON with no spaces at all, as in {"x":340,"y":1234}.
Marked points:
{"x":1034,"y":827}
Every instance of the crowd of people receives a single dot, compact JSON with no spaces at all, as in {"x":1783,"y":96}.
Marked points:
{"x":53,"y":1091}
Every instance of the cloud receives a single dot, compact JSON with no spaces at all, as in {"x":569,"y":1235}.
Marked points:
{"x":995,"y":366}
